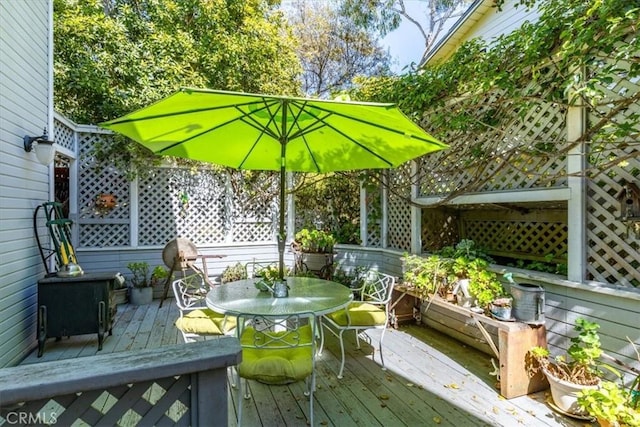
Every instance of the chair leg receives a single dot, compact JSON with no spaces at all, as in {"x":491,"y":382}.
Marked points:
{"x":380,"y":349}
{"x":357,"y":331}
{"x":342,"y":353}
{"x":239,"y":399}
{"x":311,"y":388}
{"x":321,"y":331}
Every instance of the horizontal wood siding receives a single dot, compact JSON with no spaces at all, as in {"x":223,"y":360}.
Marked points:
{"x":108,"y":260}
{"x":497,"y":23}
{"x":24,"y":107}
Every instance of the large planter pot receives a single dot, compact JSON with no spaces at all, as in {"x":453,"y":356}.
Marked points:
{"x":319,"y":263}
{"x":141,"y":296}
{"x":564,"y":394}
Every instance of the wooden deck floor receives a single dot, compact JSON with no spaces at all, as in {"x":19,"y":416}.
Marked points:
{"x":431,"y":379}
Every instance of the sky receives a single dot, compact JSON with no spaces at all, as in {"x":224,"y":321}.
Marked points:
{"x":406,"y":44}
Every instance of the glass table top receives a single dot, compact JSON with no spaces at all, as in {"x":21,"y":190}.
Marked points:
{"x":306,"y":295}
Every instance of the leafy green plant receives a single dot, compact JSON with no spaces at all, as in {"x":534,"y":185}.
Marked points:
{"x":233,"y":272}
{"x":159,"y":275}
{"x":611,"y":402}
{"x":583,"y":366}
{"x":427,"y":275}
{"x":314,"y":241}
{"x":483,"y":283}
{"x":140,"y":274}
{"x":352,"y":278}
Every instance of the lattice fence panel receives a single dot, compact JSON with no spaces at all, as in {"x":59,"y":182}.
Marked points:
{"x":100,"y":228}
{"x":398,"y":208}
{"x":613,"y":249}
{"x":254,"y":205}
{"x":165,"y":401}
{"x":533,"y":236}
{"x":182,"y":202}
{"x":63,"y":135}
{"x":514,"y":145}
{"x":374,"y":216}
{"x":439,"y":228}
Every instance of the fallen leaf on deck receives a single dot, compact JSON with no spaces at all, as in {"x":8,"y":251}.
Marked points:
{"x":383,"y":397}
{"x":437,"y":420}
{"x":496,"y":410}
{"x":452,"y":385}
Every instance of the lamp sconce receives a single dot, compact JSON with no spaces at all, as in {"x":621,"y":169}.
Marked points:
{"x":44,"y":148}
{"x":629,"y":199}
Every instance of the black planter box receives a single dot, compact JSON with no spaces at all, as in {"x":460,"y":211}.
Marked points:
{"x":75,"y":306}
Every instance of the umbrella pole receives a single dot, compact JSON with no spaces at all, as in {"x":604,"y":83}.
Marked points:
{"x":281,"y":232}
{"x":283,"y":152}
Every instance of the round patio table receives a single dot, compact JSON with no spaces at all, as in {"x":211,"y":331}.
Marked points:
{"x":306,"y":295}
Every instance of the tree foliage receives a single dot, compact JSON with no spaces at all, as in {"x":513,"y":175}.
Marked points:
{"x":115,"y":56}
{"x":333,"y":50}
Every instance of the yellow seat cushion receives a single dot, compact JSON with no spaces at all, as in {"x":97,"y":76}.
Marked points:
{"x":271,"y":365}
{"x":361,"y":314}
{"x":205,"y":322}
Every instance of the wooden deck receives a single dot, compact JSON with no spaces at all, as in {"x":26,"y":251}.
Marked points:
{"x":431,"y":379}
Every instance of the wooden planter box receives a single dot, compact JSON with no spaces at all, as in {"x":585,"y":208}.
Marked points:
{"x":509,"y":342}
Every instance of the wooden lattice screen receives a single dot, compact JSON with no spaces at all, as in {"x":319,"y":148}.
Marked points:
{"x":208,"y":205}
{"x":100,"y":228}
{"x":166,"y":401}
{"x":399,"y":211}
{"x":535,"y":234}
{"x":614,"y":248}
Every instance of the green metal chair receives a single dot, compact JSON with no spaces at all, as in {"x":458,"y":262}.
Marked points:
{"x":369,"y":310}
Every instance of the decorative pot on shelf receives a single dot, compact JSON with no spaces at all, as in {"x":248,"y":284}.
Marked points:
{"x":500,"y":308}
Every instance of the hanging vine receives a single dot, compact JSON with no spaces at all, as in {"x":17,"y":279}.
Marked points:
{"x":502,"y":105}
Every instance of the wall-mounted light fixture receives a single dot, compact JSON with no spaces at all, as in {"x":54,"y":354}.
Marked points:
{"x":44,"y":148}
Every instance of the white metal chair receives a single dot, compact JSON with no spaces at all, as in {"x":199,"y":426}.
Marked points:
{"x":369,"y":310}
{"x":277,"y":350}
{"x":196,"y":320}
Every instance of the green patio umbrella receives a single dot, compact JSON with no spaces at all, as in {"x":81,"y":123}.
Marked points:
{"x":267,"y":132}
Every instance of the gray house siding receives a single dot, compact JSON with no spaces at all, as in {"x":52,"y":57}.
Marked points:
{"x":25,"y":108}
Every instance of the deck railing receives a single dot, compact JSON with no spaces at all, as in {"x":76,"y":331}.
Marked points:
{"x":184,"y":384}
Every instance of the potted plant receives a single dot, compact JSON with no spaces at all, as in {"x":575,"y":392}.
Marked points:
{"x":476,"y":285}
{"x":613,"y":404}
{"x":141,"y":291}
{"x":313,"y":251}
{"x":500,"y":308}
{"x":427,"y":275}
{"x":568,"y":376}
{"x":233,"y":272}
{"x":159,"y":277}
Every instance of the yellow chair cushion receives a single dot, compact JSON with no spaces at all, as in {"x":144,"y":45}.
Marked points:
{"x":271,"y":365}
{"x":205,"y":322}
{"x":361,"y":314}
